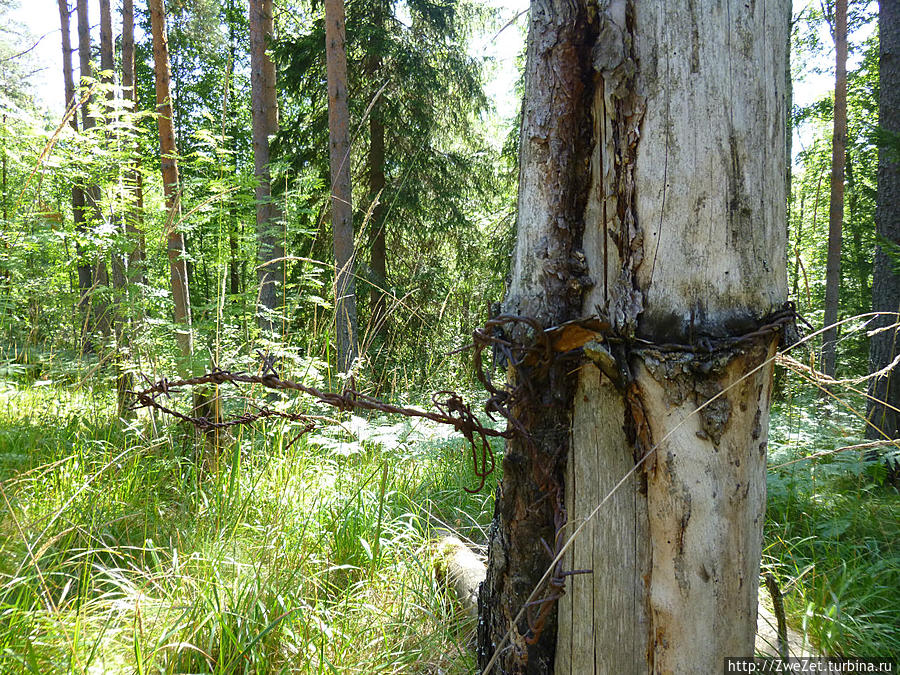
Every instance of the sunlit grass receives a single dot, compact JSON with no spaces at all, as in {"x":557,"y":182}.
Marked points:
{"x":120,"y":552}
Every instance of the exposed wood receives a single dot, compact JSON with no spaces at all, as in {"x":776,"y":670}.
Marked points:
{"x":673,"y":231}
{"x":341,"y":194}
{"x":462,"y":570}
{"x":836,"y":208}
{"x":675,"y":552}
{"x":264,"y":108}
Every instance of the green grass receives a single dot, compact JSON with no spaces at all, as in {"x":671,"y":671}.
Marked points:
{"x":124,"y":548}
{"x":121,"y":552}
{"x":833,"y":532}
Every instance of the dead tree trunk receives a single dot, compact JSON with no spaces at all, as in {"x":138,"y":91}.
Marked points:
{"x":265,"y":123}
{"x":341,"y":196}
{"x":673,"y":232}
{"x":836,"y":210}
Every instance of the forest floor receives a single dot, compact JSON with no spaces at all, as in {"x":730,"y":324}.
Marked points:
{"x":125,"y":549}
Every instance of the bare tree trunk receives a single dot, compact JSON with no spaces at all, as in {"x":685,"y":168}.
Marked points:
{"x":341,"y":196}
{"x":836,"y":210}
{"x":269,"y":218}
{"x":622,"y":210}
{"x":133,"y":177}
{"x":84,"y":268}
{"x":169,"y":164}
{"x":885,"y":346}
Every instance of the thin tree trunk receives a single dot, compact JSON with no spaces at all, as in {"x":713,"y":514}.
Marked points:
{"x":92,"y":192}
{"x":133,"y":177}
{"x":265,"y":123}
{"x":885,"y":346}
{"x":836,"y":211}
{"x":377,"y":226}
{"x":341,"y":196}
{"x":84,"y":269}
{"x":169,"y":165}
{"x":622,"y":210}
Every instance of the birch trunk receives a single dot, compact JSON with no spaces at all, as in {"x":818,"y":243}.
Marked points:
{"x":265,"y":124}
{"x":341,"y":196}
{"x":673,"y":231}
{"x":836,"y":208}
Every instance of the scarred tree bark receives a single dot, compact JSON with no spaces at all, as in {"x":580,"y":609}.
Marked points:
{"x":169,"y":165}
{"x":673,"y":232}
{"x":341,"y":196}
{"x":265,"y":124}
{"x":885,"y":346}
{"x":836,"y":210}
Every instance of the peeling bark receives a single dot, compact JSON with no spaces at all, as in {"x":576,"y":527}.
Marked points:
{"x":671,"y":229}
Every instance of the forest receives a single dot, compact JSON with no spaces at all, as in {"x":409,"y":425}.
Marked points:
{"x":448,"y":336}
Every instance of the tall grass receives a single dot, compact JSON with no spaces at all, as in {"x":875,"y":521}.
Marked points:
{"x":119,"y":552}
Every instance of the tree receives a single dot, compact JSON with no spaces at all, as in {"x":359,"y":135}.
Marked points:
{"x":836,"y":210}
{"x":673,"y":232}
{"x":100,"y":277}
{"x":415,"y":96}
{"x":84,"y":269}
{"x":265,"y":123}
{"x":169,"y":165}
{"x":885,"y":391}
{"x":341,"y":194}
{"x":133,"y":177}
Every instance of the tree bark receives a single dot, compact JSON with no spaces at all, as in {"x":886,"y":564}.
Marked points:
{"x":675,"y":233}
{"x":265,"y":123}
{"x":836,"y":209}
{"x":377,"y":226}
{"x":133,"y":177}
{"x":92,"y":192}
{"x":169,"y":165}
{"x":884,"y":347}
{"x":84,"y":268}
{"x":341,"y":196}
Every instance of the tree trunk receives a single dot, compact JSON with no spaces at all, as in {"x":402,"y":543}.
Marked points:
{"x":169,"y":165}
{"x":84,"y":269}
{"x":265,"y":123}
{"x":884,"y":348}
{"x":836,"y":210}
{"x":377,"y":226}
{"x":341,"y":199}
{"x":92,"y":193}
{"x":675,"y":233}
{"x":133,"y":178}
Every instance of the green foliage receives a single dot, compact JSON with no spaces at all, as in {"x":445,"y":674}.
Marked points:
{"x":121,"y":553}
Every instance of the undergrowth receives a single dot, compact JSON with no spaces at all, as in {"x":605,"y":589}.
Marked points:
{"x":122,"y":551}
{"x":125,"y":548}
